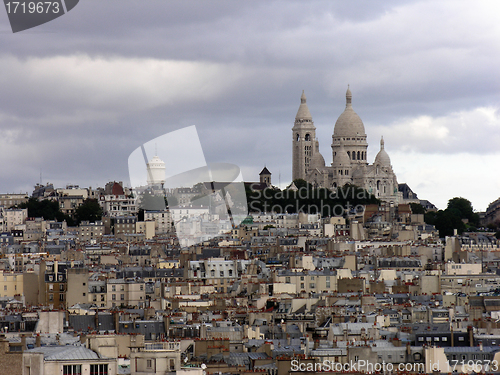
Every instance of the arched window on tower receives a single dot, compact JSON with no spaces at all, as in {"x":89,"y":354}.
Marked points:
{"x":378,"y":185}
{"x":353,"y":155}
{"x":349,"y":154}
{"x":308,"y":137}
{"x":298,"y":137}
{"x":359,"y":154}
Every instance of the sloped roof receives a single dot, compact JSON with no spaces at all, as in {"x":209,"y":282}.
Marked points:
{"x":64,"y":353}
{"x":265,"y":171}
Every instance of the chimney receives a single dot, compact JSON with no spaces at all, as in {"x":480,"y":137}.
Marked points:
{"x":38,"y":341}
{"x":23,"y":342}
{"x":470,"y":331}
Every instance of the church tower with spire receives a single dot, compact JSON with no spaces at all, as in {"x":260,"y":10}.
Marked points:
{"x":304,"y":140}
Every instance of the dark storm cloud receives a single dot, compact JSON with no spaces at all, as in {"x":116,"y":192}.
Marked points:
{"x":88,"y":88}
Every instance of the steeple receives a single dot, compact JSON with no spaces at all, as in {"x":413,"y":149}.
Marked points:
{"x":382,"y":143}
{"x":348,"y":97}
{"x":303,"y":112}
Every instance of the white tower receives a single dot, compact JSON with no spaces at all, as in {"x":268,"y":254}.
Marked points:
{"x":156,"y":171}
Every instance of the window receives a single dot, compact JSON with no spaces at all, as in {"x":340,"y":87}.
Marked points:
{"x":113,"y":297}
{"x":98,"y":369}
{"x":287,"y":280}
{"x":5,"y":287}
{"x":149,"y":363}
{"x":122,"y":297}
{"x":113,"y":288}
{"x":72,"y":369}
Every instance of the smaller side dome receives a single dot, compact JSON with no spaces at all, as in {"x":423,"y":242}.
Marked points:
{"x":341,"y":158}
{"x":318,"y":161}
{"x":382,"y":157}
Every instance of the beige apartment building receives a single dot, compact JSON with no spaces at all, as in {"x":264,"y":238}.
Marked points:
{"x":129,"y":292}
{"x":90,"y":232}
{"x":162,"y":219}
{"x":312,"y":281}
{"x":147,"y":228}
{"x":11,"y":284}
{"x":77,"y":287}
{"x":13,"y":217}
{"x":156,"y":358}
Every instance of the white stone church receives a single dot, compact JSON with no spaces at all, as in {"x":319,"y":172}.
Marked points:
{"x":349,"y":152}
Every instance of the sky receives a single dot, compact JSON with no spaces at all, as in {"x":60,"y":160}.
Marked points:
{"x":79,"y":94}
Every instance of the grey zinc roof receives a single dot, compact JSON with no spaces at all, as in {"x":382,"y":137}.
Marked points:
{"x":59,"y":353}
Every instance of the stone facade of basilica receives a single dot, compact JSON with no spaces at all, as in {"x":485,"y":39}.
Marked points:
{"x":349,"y":154}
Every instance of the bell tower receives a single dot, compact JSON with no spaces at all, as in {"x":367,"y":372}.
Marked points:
{"x":303,"y":140}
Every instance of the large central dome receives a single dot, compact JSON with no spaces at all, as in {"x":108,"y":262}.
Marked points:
{"x":349,"y":124}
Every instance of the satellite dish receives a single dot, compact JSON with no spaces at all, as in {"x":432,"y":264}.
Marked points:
{"x":203,"y":366}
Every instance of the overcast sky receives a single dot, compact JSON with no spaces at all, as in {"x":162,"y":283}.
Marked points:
{"x":80,"y":93}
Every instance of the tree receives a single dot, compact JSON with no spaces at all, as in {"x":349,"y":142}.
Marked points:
{"x":446,"y":221}
{"x":46,"y":209}
{"x":90,"y":210}
{"x":151,"y":202}
{"x":417,"y":208}
{"x":463,"y":208}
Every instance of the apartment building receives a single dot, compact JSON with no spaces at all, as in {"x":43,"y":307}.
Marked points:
{"x":125,"y":292}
